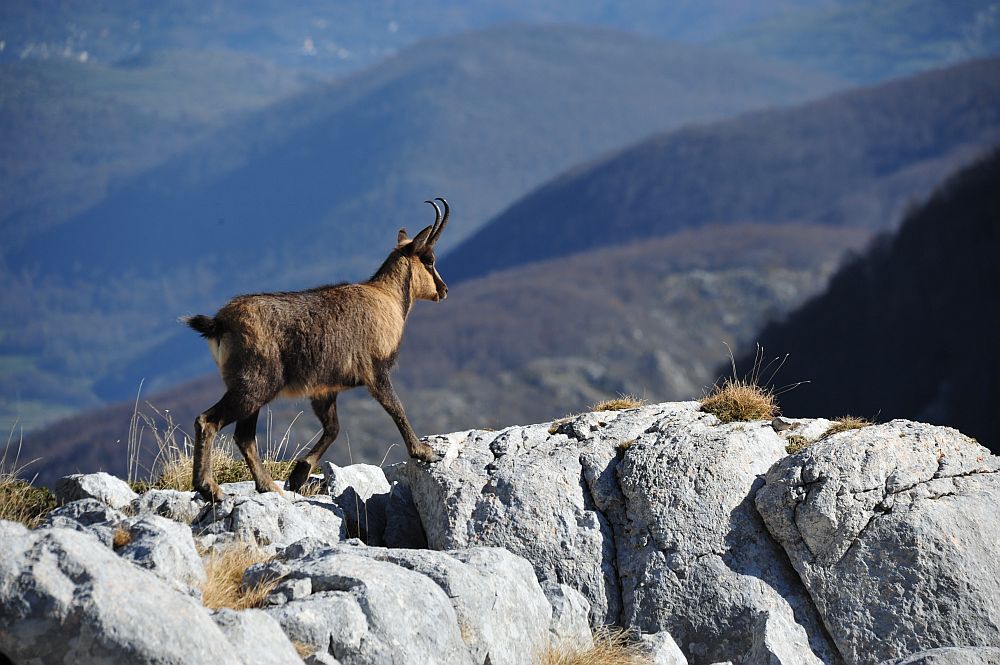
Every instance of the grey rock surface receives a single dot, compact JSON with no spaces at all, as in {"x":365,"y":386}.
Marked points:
{"x":66,"y":598}
{"x":361,"y":492}
{"x":895,"y":530}
{"x":694,"y":556}
{"x":647,"y":512}
{"x":86,"y":515}
{"x":178,"y":506}
{"x":166,"y":548}
{"x":270,"y":520}
{"x":256,"y":637}
{"x":570,"y":615}
{"x":364,"y":611}
{"x":662,"y":649}
{"x":952,"y":656}
{"x":403,"y":527}
{"x":495,"y":610}
{"x":102,"y":486}
{"x":503,"y":614}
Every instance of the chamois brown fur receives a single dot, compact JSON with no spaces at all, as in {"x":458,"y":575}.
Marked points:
{"x":314,"y":343}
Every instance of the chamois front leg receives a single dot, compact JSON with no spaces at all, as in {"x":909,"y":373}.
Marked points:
{"x":382,"y":391}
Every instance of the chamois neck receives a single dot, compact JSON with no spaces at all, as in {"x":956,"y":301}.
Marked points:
{"x":395,"y":276}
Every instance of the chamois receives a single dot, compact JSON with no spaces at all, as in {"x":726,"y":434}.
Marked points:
{"x":314,"y":343}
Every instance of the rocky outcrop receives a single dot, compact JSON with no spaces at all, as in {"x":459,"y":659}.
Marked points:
{"x":894,"y":529}
{"x":706,"y":541}
{"x":66,"y":598}
{"x":101,"y":486}
{"x":268,"y":520}
{"x":475,"y":606}
{"x":648,"y":513}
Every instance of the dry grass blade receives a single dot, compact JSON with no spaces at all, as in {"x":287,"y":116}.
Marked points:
{"x":844,"y":424}
{"x":740,"y":400}
{"x":620,"y":403}
{"x":611,"y":647}
{"x":224,"y":586}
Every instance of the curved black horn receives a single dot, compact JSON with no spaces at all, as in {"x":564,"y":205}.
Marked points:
{"x":437,"y":212}
{"x":444,"y":220}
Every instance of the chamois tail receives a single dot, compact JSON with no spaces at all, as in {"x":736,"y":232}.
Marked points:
{"x":205,"y":325}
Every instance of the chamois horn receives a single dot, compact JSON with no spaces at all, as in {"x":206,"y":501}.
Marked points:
{"x":437,"y":231}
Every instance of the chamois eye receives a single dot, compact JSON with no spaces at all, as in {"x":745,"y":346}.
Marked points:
{"x":427,"y":260}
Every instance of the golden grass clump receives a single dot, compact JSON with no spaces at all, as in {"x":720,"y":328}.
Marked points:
{"x":174,"y":462}
{"x":845,"y":423}
{"x":224,"y":586}
{"x":797,"y":443}
{"x":620,"y":403}
{"x":20,"y":501}
{"x":740,"y":400}
{"x":611,"y":647}
{"x":121,"y":538}
{"x":176,"y":472}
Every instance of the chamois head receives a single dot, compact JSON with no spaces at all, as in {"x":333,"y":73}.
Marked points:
{"x":426,"y":283}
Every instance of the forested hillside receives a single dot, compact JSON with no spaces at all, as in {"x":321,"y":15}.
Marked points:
{"x":909,"y":329}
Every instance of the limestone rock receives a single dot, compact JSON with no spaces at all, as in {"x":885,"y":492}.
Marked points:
{"x":270,"y":520}
{"x":167,"y":549}
{"x":662,"y":649}
{"x":66,"y":598}
{"x":570,"y":612}
{"x":953,"y":656}
{"x":694,"y":556}
{"x":87,"y":515}
{"x":102,"y":486}
{"x":647,"y":512}
{"x":256,"y":637}
{"x":402,"y":521}
{"x":363,"y":610}
{"x":894,"y":529}
{"x":361,"y":491}
{"x":178,"y":506}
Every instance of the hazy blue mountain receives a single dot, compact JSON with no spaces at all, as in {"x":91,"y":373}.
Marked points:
{"x":857,"y":158}
{"x":314,"y":188}
{"x":873,"y":41}
{"x":908,"y":329}
{"x":339,"y":35}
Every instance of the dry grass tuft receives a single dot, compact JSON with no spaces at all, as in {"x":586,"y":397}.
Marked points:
{"x":176,"y":472}
{"x":620,"y":403}
{"x":121,"y":538}
{"x":174,"y":461}
{"x":845,"y":423}
{"x":739,"y":400}
{"x":611,"y":647}
{"x":797,"y":443}
{"x":20,"y":501}
{"x":303,"y":649}
{"x":224,"y":586}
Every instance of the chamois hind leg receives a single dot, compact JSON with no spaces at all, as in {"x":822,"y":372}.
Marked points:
{"x":246,"y":440}
{"x":325,"y":409}
{"x":381,"y":389}
{"x":228,"y":409}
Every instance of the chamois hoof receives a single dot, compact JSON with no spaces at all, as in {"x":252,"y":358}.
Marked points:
{"x":298,"y":476}
{"x":211,"y":492}
{"x":426,"y":454}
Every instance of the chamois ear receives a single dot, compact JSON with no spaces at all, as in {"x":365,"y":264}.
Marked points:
{"x":401,"y":237}
{"x":421,"y":238}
